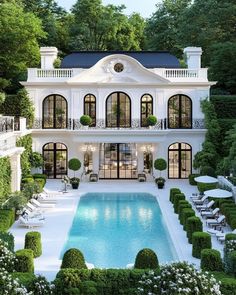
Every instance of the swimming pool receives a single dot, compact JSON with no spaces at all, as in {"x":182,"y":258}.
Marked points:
{"x":110,"y":229}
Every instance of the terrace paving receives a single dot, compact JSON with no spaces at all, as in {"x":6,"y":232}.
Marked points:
{"x":59,"y":220}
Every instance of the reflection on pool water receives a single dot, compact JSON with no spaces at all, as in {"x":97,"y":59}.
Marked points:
{"x":110,"y":229}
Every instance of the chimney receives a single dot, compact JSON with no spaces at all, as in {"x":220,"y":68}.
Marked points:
{"x":48,"y":56}
{"x":193,"y":55}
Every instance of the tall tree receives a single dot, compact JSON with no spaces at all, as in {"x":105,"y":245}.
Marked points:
{"x":98,"y":27}
{"x":19,"y":37}
{"x":163,"y":27}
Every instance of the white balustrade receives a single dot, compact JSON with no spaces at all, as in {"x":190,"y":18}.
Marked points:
{"x":55,"y":73}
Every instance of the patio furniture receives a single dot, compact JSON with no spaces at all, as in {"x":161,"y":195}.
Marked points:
{"x":31,"y":214}
{"x":205,"y":207}
{"x":220,"y":221}
{"x":221,"y":236}
{"x":42,"y":205}
{"x":201,"y":201}
{"x":210,"y":213}
{"x":32,"y":208}
{"x":93,"y":177}
{"x":51,"y":193}
{"x":142,"y":177}
{"x":30,"y":222}
{"x":43,"y":198}
{"x":206,"y":179}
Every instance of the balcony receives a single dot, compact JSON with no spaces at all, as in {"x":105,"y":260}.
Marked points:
{"x":174,"y":75}
{"x":10,"y":124}
{"x":74,"y":124}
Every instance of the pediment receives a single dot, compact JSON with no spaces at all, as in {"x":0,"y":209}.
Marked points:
{"x":118,"y":68}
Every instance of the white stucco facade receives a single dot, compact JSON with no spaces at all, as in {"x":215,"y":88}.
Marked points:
{"x":125,"y":146}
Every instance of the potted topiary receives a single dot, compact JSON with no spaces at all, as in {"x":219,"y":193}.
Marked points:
{"x":74,"y":164}
{"x":85,"y":120}
{"x":160,"y":164}
{"x":151,"y":121}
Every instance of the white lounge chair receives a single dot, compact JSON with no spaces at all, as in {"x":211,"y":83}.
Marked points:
{"x":201,"y":201}
{"x":51,"y":193}
{"x":216,"y":222}
{"x":37,"y":204}
{"x":30,"y":222}
{"x":205,"y":207}
{"x":43,"y":198}
{"x":32,"y":214}
{"x":32,"y":208}
{"x":221,"y":236}
{"x":210,"y":213}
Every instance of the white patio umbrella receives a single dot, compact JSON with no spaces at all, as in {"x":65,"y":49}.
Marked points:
{"x":206,"y":179}
{"x":218,"y":193}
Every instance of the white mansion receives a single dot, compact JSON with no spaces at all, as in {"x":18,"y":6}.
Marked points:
{"x":118,"y":90}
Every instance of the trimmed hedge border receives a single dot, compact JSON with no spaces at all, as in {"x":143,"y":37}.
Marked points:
{"x":7,"y":218}
{"x":176,"y":200}
{"x":211,"y":260}
{"x":174,"y":191}
{"x":33,"y":242}
{"x":193,"y":224}
{"x":185,"y":213}
{"x":146,"y":259}
{"x":191,"y":179}
{"x":201,"y":240}
{"x":25,"y":261}
{"x":73,"y":258}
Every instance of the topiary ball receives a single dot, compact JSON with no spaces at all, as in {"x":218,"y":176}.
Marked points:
{"x":85,"y":120}
{"x":74,"y":164}
{"x":146,"y":258}
{"x":73,"y":258}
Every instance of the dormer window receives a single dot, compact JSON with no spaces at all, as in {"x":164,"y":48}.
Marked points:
{"x":118,"y":67}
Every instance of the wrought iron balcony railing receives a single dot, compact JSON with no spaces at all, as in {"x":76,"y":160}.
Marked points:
{"x":74,"y":124}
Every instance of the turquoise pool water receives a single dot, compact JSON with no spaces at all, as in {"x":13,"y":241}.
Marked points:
{"x":110,"y":229}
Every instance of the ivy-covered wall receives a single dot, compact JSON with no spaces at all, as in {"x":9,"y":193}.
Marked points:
{"x":5,"y":178}
{"x":26,"y":142}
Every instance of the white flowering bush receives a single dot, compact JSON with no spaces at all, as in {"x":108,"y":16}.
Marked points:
{"x":230,"y":246}
{"x":41,"y":286}
{"x":179,"y":278}
{"x":10,"y":286}
{"x":7,"y":258}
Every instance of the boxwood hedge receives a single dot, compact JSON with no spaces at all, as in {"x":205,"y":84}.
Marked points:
{"x":200,"y":240}
{"x":25,"y":259}
{"x":211,"y":260}
{"x":33,"y":242}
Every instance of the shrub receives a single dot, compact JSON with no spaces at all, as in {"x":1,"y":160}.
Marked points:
{"x":85,"y":120}
{"x":7,"y":218}
{"x":177,"y":198}
{"x":73,"y":258}
{"x":182,"y":207}
{"x":207,"y":170}
{"x":10,"y":285}
{"x":230,"y":246}
{"x":33,"y":242}
{"x":191,"y":179}
{"x":39,"y":175}
{"x":39,"y":285}
{"x":8,"y":238}
{"x":146,"y":258}
{"x":151,"y":120}
{"x":25,"y":259}
{"x":232,"y":261}
{"x":5,"y":178}
{"x":228,"y":286}
{"x":7,"y":257}
{"x":211,"y":260}
{"x":178,"y":278}
{"x":185,"y":213}
{"x":193,"y":224}
{"x":40,"y":182}
{"x":74,"y":164}
{"x":174,"y":191}
{"x":201,"y":240}
{"x":24,"y":278}
{"x":202,"y":187}
{"x":160,"y":164}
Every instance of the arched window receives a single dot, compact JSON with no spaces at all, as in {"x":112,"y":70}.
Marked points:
{"x":55,"y":160}
{"x":146,"y":108}
{"x":179,"y":112}
{"x":90,"y":107}
{"x":180,"y":160}
{"x":118,"y":110}
{"x":55,"y":112}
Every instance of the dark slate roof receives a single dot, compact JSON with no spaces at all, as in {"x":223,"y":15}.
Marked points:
{"x":149,"y":59}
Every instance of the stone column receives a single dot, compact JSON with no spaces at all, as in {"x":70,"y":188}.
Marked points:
{"x":15,"y":172}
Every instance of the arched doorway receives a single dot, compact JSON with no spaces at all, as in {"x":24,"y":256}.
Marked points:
{"x":118,"y":110}
{"x":179,"y":160}
{"x":146,"y":108}
{"x":54,"y":112}
{"x":90,"y":108}
{"x":55,"y":160}
{"x":179,"y":112}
